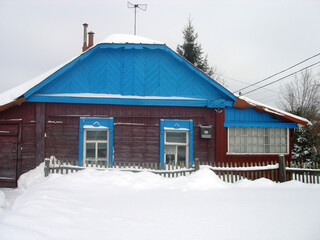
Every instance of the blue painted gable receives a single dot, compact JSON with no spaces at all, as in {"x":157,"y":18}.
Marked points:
{"x":136,"y":74}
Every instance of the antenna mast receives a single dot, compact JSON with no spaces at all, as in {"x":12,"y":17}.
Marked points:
{"x":143,"y":7}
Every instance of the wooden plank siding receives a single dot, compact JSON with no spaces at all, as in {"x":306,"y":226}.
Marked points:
{"x":53,"y":129}
{"x":136,"y":129}
{"x":22,"y":116}
{"x":8,"y":154}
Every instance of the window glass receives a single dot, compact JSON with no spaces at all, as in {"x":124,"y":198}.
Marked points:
{"x":261,"y":149}
{"x":176,"y":137}
{"x":260,"y":140}
{"x":244,"y":131}
{"x":271,"y":131}
{"x":284,"y":132}
{"x":231,"y":140}
{"x":90,"y":150}
{"x":254,"y":131}
{"x":97,"y":135}
{"x":261,"y":131}
{"x":272,"y":141}
{"x":169,"y":149}
{"x":181,"y":154}
{"x":243,"y":148}
{"x":231,"y":132}
{"x":102,"y":150}
{"x":238,"y":139}
{"x":170,"y":153}
{"x":238,"y":131}
{"x":255,"y":148}
{"x":231,"y":148}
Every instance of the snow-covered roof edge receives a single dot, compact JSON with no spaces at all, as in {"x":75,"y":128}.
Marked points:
{"x":129,"y":39}
{"x":14,"y":93}
{"x":244,"y":102}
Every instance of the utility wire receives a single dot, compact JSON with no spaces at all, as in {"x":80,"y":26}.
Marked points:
{"x":232,"y":79}
{"x":278,"y":73}
{"x":282,"y":78}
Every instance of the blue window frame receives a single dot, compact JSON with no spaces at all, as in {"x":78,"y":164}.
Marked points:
{"x":176,"y":142}
{"x":96,"y":140}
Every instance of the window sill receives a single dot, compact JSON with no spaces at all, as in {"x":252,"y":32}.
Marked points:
{"x":277,"y":154}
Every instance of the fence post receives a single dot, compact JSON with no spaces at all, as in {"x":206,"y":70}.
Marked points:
{"x":46,"y":167}
{"x":282,"y":168}
{"x":197,"y":164}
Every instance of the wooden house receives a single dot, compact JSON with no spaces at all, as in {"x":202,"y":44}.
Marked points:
{"x":133,"y":99}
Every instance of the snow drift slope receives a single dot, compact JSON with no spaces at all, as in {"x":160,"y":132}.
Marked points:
{"x":120,"y":205}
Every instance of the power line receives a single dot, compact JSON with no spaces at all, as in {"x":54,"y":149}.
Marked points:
{"x":278,"y":73}
{"x":236,"y":80}
{"x":232,"y":79}
{"x":282,"y":78}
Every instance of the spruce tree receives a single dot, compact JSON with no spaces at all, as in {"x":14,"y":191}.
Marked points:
{"x":192,"y":50}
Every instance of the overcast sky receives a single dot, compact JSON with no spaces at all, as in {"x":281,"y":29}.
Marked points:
{"x":247,"y":40}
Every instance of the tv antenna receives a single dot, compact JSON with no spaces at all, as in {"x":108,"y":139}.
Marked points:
{"x":143,"y":7}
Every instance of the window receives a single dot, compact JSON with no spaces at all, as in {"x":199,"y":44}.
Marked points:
{"x":96,"y":141}
{"x":176,"y":142}
{"x":257,"y":140}
{"x":95,"y":146}
{"x":176,"y":147}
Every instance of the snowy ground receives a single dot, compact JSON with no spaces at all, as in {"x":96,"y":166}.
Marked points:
{"x":120,"y":205}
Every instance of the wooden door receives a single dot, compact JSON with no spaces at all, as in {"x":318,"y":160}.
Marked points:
{"x":8,"y":155}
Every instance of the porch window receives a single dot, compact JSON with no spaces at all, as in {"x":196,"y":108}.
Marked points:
{"x":176,"y":142}
{"x":243,"y":140}
{"x":96,"y":141}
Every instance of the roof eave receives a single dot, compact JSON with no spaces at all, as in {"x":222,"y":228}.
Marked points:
{"x":12,"y":104}
{"x":243,"y":104}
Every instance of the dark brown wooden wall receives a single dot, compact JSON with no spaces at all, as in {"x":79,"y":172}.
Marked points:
{"x":43,"y":129}
{"x":136,"y":129}
{"x":23,"y":155}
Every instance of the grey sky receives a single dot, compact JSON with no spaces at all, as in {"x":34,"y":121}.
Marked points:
{"x":247,"y":40}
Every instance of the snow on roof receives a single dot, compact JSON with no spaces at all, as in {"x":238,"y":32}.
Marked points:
{"x":270,"y":110}
{"x":13,"y":94}
{"x":101,"y":95}
{"x":126,"y":38}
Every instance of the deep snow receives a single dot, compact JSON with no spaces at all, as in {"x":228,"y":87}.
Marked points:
{"x":94,"y":204}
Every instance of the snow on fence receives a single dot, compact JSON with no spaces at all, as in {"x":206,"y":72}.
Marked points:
{"x":53,"y":165}
{"x":228,"y":172}
{"x":277,"y":172}
{"x":232,"y":172}
{"x":304,"y":172}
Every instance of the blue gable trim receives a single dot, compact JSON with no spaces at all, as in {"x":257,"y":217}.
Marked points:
{"x":135,"y":70}
{"x":220,"y":103}
{"x":252,"y":118}
{"x":176,"y":125}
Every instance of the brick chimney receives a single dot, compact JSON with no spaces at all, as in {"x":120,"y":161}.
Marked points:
{"x":85,"y":46}
{"x":91,"y":35}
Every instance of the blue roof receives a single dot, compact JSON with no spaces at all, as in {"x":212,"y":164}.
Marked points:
{"x":111,"y":73}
